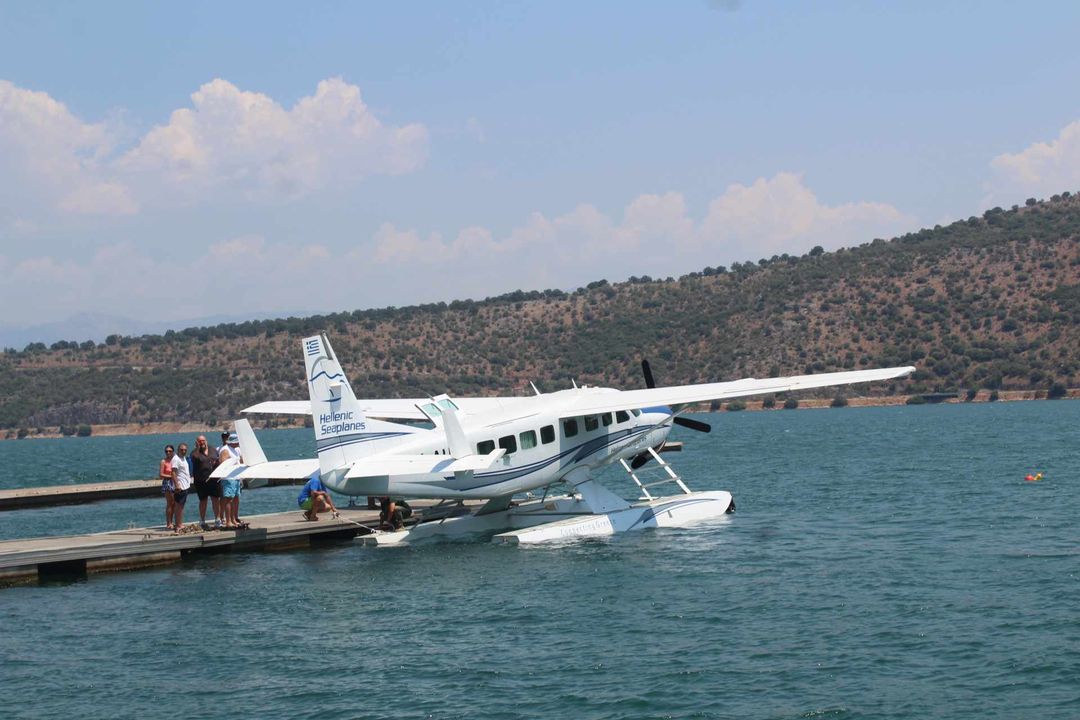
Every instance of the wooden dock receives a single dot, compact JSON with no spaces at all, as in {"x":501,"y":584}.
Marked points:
{"x":19,"y":498}
{"x":33,"y":559}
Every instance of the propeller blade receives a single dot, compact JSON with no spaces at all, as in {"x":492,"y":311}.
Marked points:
{"x":693,"y":424}
{"x":647,"y":372}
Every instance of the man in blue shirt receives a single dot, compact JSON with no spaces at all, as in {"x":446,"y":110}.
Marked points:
{"x":314,"y":499}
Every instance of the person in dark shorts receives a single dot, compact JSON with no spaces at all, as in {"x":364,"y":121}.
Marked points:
{"x":392,"y":514}
{"x":165,"y":474}
{"x":181,"y":467}
{"x":203,"y":462}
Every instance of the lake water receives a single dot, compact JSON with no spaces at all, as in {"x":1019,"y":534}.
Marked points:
{"x":883,"y":563}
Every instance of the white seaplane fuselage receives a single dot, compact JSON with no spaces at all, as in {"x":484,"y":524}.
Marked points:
{"x":541,"y":448}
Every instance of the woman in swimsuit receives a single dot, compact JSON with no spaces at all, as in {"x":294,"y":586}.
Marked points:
{"x":165,"y":473}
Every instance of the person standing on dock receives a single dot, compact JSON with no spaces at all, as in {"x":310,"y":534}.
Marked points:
{"x":203,"y":463}
{"x":181,"y":467}
{"x":230,"y":487}
{"x":166,"y":475}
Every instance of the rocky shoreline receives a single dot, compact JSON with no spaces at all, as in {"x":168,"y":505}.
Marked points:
{"x":173,"y":428}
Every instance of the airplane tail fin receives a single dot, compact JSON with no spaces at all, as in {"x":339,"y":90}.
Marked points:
{"x":250,"y":449}
{"x":343,"y":434}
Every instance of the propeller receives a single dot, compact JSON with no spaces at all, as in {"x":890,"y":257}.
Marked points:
{"x":642,"y":458}
{"x":650,"y":383}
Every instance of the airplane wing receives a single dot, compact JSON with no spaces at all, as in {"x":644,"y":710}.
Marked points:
{"x":686,"y":394}
{"x":395,"y":408}
{"x":280,"y":407}
{"x":403,"y":409}
{"x":277,"y":470}
{"x":380,"y":466}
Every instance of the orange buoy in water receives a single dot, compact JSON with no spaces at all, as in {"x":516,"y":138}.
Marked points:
{"x":1029,"y":478}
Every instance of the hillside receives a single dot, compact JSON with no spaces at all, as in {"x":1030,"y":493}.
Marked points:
{"x":990,"y":302}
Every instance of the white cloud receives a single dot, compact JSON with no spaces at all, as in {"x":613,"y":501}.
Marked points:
{"x":781,"y":214}
{"x":393,"y":245}
{"x":1040,"y":170}
{"x":406,"y":246}
{"x":236,"y":276}
{"x":230,"y":144}
{"x":100,"y":198}
{"x":51,"y":158}
{"x":235,"y":141}
{"x":657,"y":234}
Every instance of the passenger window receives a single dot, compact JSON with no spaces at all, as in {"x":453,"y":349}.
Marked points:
{"x":485,"y":447}
{"x":591,"y":423}
{"x":606,"y":419}
{"x":528,"y":439}
{"x":621,"y":416}
{"x":636,"y":412}
{"x":569,"y":427}
{"x":547,"y":434}
{"x":509,"y":443}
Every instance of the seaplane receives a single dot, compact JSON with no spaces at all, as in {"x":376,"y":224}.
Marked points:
{"x":510,"y":456}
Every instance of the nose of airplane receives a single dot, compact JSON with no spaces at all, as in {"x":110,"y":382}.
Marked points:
{"x":658,"y":420}
{"x":660,"y":417}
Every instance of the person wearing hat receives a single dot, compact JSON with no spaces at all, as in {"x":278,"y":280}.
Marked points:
{"x":230,"y":486}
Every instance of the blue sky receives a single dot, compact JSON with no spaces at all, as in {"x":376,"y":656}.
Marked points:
{"x":336,"y":156}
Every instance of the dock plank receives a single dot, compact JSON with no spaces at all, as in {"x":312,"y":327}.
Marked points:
{"x":28,"y":559}
{"x":80,"y":493}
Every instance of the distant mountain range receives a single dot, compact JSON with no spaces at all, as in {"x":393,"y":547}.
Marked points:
{"x":991,"y":302}
{"x":98,"y":326}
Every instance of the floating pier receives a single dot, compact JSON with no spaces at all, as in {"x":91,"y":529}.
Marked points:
{"x":32,"y":559}
{"x":19,"y":498}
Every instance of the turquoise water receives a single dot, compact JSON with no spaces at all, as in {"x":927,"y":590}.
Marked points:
{"x":883,"y":563}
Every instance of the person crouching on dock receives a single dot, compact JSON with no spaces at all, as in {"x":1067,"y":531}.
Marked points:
{"x":314,"y":499}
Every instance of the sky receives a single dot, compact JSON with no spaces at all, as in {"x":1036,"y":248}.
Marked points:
{"x":172,"y":161}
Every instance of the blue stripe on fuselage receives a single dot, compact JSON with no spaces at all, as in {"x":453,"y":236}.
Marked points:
{"x":595,"y":445}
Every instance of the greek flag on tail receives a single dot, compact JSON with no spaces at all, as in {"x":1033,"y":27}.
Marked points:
{"x":343,"y":434}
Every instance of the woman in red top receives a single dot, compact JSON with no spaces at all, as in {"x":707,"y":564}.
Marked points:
{"x":165,"y":473}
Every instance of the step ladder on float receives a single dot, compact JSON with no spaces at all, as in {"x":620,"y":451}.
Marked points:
{"x":662,"y":467}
